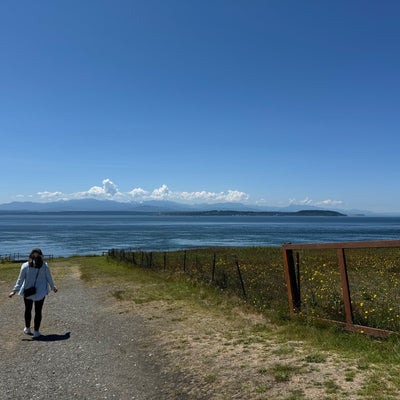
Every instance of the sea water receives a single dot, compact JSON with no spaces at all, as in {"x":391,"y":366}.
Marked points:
{"x":66,"y":234}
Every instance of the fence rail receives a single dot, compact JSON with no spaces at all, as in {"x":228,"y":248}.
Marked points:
{"x":20,"y":257}
{"x":292,"y":277}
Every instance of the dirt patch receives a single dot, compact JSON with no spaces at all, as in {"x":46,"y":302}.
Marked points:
{"x":240,"y":356}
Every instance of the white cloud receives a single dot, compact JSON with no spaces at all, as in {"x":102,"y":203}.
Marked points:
{"x":321,"y":203}
{"x":162,"y":193}
{"x":51,"y":196}
{"x":234,"y":196}
{"x":138,"y":193}
{"x":94,"y":191}
{"x":109,"y":190}
{"x":110,"y":187}
{"x":307,"y":201}
{"x":198,"y":196}
{"x":229,"y":196}
{"x":329,"y":203}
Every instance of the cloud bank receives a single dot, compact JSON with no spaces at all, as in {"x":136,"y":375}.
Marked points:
{"x":109,"y":191}
{"x":321,"y":203}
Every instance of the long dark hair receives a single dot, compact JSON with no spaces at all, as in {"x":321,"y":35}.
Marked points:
{"x":36,"y":258}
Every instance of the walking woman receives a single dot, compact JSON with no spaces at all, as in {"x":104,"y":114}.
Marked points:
{"x":33,"y":285}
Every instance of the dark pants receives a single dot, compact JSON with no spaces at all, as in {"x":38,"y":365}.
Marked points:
{"x":38,"y":313}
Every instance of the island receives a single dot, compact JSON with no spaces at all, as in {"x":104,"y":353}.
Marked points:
{"x":300,"y":213}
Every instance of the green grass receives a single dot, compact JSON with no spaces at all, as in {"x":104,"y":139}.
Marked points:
{"x":256,"y":274}
{"x":150,"y":285}
{"x":296,"y":395}
{"x":369,"y":355}
{"x":283,"y":372}
{"x":315,"y":358}
{"x":171,"y":286}
{"x":377,"y":388}
{"x":9,"y":272}
{"x":350,"y":375}
{"x":331,"y":387}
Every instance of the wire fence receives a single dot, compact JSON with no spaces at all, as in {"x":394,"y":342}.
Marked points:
{"x":361,"y":291}
{"x":19,"y":257}
{"x":255,"y":273}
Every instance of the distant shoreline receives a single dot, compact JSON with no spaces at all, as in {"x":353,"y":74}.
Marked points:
{"x":306,"y":213}
{"x":301,"y":213}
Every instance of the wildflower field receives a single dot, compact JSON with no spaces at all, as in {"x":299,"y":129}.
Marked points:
{"x":257,"y":275}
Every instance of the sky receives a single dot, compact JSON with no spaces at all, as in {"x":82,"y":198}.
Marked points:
{"x":252,"y":101}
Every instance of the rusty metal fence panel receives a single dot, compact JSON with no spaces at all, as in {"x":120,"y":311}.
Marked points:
{"x":293,"y":282}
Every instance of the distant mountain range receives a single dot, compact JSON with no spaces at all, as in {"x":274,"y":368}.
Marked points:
{"x":158,"y":206}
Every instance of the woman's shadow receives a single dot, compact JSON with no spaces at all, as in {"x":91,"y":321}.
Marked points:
{"x":51,"y":338}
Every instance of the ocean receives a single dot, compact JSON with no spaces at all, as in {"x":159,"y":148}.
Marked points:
{"x":63,"y":235}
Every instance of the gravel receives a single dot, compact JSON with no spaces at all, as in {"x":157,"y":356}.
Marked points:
{"x":86,"y":351}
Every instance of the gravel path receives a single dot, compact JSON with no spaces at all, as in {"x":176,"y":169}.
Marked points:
{"x":87,"y":352}
{"x":97,"y":347}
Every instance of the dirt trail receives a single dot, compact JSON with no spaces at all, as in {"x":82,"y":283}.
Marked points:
{"x":98,"y":347}
{"x":86,"y":351}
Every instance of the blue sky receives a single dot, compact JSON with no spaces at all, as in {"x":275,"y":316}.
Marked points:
{"x":266,"y":102}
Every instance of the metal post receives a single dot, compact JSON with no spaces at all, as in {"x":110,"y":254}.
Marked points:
{"x":240,"y":278}
{"x":345,"y":286}
{"x":213,"y":268}
{"x":291,"y":282}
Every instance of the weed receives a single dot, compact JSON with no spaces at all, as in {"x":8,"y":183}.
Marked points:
{"x":296,"y":395}
{"x":331,"y":387}
{"x":118,"y":294}
{"x":283,"y":350}
{"x":262,"y":371}
{"x":211,"y":378}
{"x":376,"y":387}
{"x":261,"y":389}
{"x":282,"y":372}
{"x":315,"y":358}
{"x":350,"y":375}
